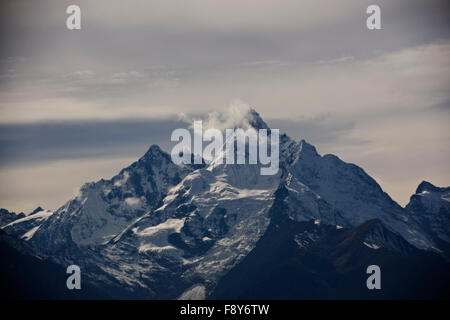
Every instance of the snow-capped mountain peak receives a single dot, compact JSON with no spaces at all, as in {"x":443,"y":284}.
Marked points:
{"x":426,"y":186}
{"x":255,"y":120}
{"x":163,"y":228}
{"x":307,"y":150}
{"x":38,"y":209}
{"x":104,"y":208}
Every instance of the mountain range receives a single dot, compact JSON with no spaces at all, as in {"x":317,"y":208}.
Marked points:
{"x":157,"y":230}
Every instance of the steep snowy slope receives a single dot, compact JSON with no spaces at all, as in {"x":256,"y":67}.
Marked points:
{"x":430,"y":208}
{"x":206,"y":224}
{"x":345,"y":195}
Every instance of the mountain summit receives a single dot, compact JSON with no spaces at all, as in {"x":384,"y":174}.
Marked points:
{"x":429,"y":207}
{"x":255,"y":120}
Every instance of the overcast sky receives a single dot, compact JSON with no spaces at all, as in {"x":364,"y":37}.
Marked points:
{"x":76,"y":106}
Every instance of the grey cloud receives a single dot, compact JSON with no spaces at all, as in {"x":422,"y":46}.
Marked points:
{"x":28,"y":144}
{"x":142,"y":33}
{"x":441,"y":106}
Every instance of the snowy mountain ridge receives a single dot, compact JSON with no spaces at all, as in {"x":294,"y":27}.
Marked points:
{"x":162,"y":230}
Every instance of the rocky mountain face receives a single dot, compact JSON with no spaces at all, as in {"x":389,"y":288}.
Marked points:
{"x":164,"y":231}
{"x":26,"y":226}
{"x":7,"y":217}
{"x":309,"y":260}
{"x":429,"y":207}
{"x":344,"y":195}
{"x":23,"y":276}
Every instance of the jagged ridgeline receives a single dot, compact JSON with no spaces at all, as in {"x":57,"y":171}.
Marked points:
{"x":158,"y":230}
